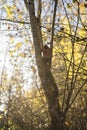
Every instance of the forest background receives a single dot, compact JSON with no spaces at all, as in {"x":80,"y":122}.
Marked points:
{"x":43,"y":65}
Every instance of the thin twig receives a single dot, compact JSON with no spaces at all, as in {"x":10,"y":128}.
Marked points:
{"x":13,"y":21}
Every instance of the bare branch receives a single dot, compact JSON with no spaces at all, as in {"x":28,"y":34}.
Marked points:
{"x":52,"y":34}
{"x":39,"y":10}
{"x":13,"y":21}
{"x":26,"y":3}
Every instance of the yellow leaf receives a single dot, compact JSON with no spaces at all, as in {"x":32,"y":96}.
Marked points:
{"x":33,"y":69}
{"x":49,"y":19}
{"x":26,"y":40}
{"x":23,"y":55}
{"x":11,"y":52}
{"x":11,"y":39}
{"x":82,"y":7}
{"x":14,"y":7}
{"x":20,"y":16}
{"x":19,"y":44}
{"x":9,"y":11}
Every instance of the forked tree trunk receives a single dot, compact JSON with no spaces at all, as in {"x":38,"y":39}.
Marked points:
{"x":47,"y":80}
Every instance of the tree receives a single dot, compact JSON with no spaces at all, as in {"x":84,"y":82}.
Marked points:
{"x":44,"y":70}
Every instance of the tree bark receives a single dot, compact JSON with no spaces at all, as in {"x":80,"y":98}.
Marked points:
{"x":47,"y":80}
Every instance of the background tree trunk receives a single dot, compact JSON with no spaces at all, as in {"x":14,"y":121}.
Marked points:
{"x":47,"y":80}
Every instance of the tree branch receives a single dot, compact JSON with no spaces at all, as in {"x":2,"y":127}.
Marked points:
{"x":26,"y":3}
{"x":13,"y":21}
{"x":39,"y":10}
{"x":69,"y":105}
{"x":52,"y":34}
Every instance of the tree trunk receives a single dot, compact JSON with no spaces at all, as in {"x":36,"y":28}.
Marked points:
{"x":47,"y":80}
